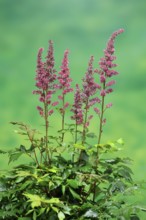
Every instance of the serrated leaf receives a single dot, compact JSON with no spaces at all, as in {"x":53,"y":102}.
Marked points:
{"x":79,"y":146}
{"x":61,"y":215}
{"x":125,"y":174}
{"x":55,"y":209}
{"x":134,"y":217}
{"x":14,"y":156}
{"x":91,"y":135}
{"x":23,"y":173}
{"x":117,"y":186}
{"x":2,"y":152}
{"x":34,"y":215}
{"x":34,"y":199}
{"x":41,"y":211}
{"x":53,"y":170}
{"x":29,"y":211}
{"x":73,"y":183}
{"x":63,"y":189}
{"x":22,"y":148}
{"x":74,"y":194}
{"x":66,"y":209}
{"x":53,"y":201}
{"x":141,"y":208}
{"x":91,"y":214}
{"x":2,"y":187}
{"x":19,"y":179}
{"x":24,"y":218}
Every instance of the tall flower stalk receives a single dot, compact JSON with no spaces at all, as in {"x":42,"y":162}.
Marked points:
{"x":64,"y":85}
{"x":45,"y":79}
{"x":106,"y":72}
{"x":89,"y":90}
{"x":77,"y":110}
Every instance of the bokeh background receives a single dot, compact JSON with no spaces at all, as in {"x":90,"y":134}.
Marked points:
{"x":84,"y":27}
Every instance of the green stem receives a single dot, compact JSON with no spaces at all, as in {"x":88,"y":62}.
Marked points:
{"x":101,"y":121}
{"x":32,"y":142}
{"x":41,"y":153}
{"x":63,"y":118}
{"x":100,"y":124}
{"x":46,"y":130}
{"x":84,"y":128}
{"x":94,"y":191}
{"x":76,"y":137}
{"x":36,"y":157}
{"x":76,"y":130}
{"x":84,"y":124}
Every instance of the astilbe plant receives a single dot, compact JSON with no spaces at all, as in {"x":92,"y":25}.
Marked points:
{"x":64,"y":86}
{"x":72,"y":180}
{"x":45,"y":89}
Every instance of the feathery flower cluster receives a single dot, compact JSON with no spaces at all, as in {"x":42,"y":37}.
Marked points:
{"x":64,"y":86}
{"x":106,"y":69}
{"x":89,"y":85}
{"x":83,"y":99}
{"x":106,"y":65}
{"x":45,"y":78}
{"x":64,"y":81}
{"x":77,"y":107}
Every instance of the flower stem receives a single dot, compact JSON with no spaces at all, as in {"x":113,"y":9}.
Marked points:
{"x":76,"y":132}
{"x":101,"y":121}
{"x":46,"y":130}
{"x":32,"y":142}
{"x":63,"y":118}
{"x":84,"y":125}
{"x":84,"y":128}
{"x":100,"y":124}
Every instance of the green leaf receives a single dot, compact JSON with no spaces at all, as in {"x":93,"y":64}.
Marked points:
{"x":22,"y":148}
{"x":113,"y":161}
{"x":41,"y":211}
{"x":14,"y":156}
{"x":91,"y":135}
{"x":73,"y":183}
{"x":53,"y":201}
{"x":2,"y":152}
{"x":6,"y":214}
{"x":79,"y":146}
{"x":125,"y":174}
{"x":34,"y":215}
{"x":55,"y":209}
{"x":34,"y":199}
{"x":63,"y":189}
{"x":117,"y":186}
{"x":36,"y":203}
{"x":91,"y":214}
{"x":61,"y":215}
{"x":29,"y":211}
{"x":134,"y":217}
{"x":25,"y":185}
{"x":24,"y":173}
{"x":74,"y":194}
{"x":140,"y":208}
{"x":66,"y":209}
{"x":24,"y":218}
{"x":53,"y":170}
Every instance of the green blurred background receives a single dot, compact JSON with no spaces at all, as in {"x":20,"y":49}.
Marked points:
{"x":84,"y":27}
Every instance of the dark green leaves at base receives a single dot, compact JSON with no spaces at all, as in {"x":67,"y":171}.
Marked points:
{"x":68,"y":189}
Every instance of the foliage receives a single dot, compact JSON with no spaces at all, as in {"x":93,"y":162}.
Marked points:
{"x":69,"y":190}
{"x":73,"y":179}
